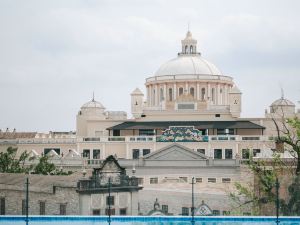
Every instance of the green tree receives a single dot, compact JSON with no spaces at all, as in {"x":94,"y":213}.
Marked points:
{"x":11,"y":163}
{"x":44,"y":166}
{"x":266,"y":172}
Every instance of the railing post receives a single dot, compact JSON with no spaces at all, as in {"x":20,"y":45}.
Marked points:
{"x":27,"y":200}
{"x":277,"y":201}
{"x":193,"y":204}
{"x":109,"y":199}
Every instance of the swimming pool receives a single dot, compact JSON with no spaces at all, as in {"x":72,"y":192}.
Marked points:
{"x":140,"y":220}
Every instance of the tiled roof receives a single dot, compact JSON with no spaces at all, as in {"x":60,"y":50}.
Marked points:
{"x":16,"y":135}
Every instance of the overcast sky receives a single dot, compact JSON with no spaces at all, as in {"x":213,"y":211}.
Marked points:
{"x":55,"y":53}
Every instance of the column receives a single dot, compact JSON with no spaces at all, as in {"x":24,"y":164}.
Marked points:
{"x":150,"y":95}
{"x":174,"y":91}
{"x":165,"y":92}
{"x":198,"y":91}
{"x":187,"y":87}
{"x":208,"y":92}
{"x":218,"y":94}
{"x":157,"y":94}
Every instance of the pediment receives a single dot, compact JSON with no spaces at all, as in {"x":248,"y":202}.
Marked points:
{"x":175,"y":152}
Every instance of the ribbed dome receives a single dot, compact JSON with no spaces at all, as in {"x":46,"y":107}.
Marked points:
{"x":282,"y":102}
{"x":188,"y":65}
{"x":93,"y":104}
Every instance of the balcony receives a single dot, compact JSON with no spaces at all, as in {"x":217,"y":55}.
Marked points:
{"x":129,"y":139}
{"x":101,"y":185}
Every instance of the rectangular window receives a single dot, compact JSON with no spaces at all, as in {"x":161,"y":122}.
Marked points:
{"x":123,"y":211}
{"x":2,"y":206}
{"x":201,"y":150}
{"x":110,"y":200}
{"x":146,"y":132}
{"x":153,"y":180}
{"x":140,"y":181}
{"x":135,"y":153}
{"x":42,"y":208}
{"x":198,"y":180}
{"x":245,"y":154}
{"x":218,"y":153}
{"x":96,"y":154}
{"x":255,"y":152}
{"x":226,"y":180}
{"x":228,"y":153}
{"x":216,"y":212}
{"x":211,"y":180}
{"x":184,"y":179}
{"x":225,"y":131}
{"x":63,"y":209}
{"x":112,"y":211}
{"x":116,"y":132}
{"x":86,"y":153}
{"x":23,"y":207}
{"x":164,"y":209}
{"x":96,"y":212}
{"x":146,"y":151}
{"x":185,"y":211}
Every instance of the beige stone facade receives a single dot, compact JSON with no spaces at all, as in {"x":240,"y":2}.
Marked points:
{"x":187,"y":94}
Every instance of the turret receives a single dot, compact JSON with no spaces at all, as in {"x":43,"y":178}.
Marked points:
{"x":137,"y":103}
{"x":235,"y":101}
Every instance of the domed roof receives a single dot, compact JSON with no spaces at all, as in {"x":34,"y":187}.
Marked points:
{"x":188,"y":65}
{"x":188,"y":62}
{"x":282,"y":102}
{"x":93,"y":104}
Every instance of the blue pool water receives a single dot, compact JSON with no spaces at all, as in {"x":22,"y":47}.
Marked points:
{"x":118,"y":220}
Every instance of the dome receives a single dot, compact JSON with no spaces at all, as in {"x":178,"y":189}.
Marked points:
{"x":93,"y":104}
{"x":282,"y":102}
{"x":188,"y":61}
{"x":188,"y":65}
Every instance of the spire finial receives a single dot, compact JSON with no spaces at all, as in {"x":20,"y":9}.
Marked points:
{"x":282,"y":93}
{"x":189,"y":26}
{"x":93,"y":97}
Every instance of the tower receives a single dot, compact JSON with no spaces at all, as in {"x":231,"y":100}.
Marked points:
{"x":137,"y":103}
{"x":235,"y":101}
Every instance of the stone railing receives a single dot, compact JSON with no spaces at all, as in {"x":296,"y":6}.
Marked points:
{"x":157,"y":138}
{"x":98,"y":183}
{"x":189,"y":77}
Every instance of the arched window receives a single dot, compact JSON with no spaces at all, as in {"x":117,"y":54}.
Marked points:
{"x":192,"y":91}
{"x":180,"y":91}
{"x":186,"y":49}
{"x":202,"y":94}
{"x":213,"y":95}
{"x":161,"y":95}
{"x":191,"y":49}
{"x":170,"y":94}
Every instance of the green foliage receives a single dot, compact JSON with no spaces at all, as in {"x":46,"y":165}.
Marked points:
{"x":266,"y":172}
{"x":10,"y":163}
{"x":44,"y":166}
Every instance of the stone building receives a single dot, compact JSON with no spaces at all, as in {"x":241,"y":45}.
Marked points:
{"x":186,"y":125}
{"x":72,"y":195}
